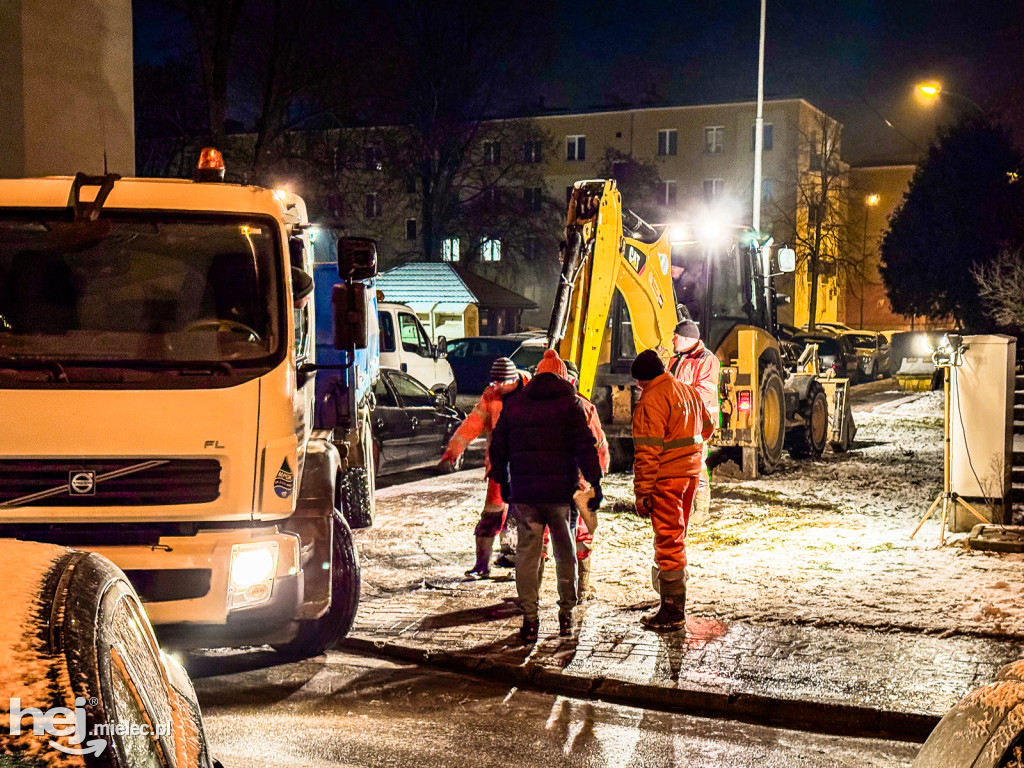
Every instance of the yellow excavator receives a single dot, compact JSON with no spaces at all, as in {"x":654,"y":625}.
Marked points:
{"x":622,"y":285}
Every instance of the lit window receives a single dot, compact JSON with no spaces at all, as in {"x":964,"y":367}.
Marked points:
{"x":373,"y":208}
{"x":576,"y":147}
{"x":492,"y":152}
{"x":714,"y":139}
{"x":490,"y":250}
{"x":766,"y":133}
{"x":714,"y":189}
{"x":667,"y":193}
{"x":410,"y":229}
{"x":450,"y":249}
{"x":668,"y":141}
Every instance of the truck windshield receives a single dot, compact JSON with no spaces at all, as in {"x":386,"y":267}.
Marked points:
{"x":139,"y":287}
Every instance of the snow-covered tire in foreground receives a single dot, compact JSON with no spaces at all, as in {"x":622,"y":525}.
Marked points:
{"x":771,"y":422}
{"x":807,"y":441}
{"x":355,"y":495}
{"x":318,"y":635}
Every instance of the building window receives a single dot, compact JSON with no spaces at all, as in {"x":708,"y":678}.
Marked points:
{"x":492,"y":152}
{"x":410,"y":229}
{"x":714,"y":139}
{"x":490,"y":249}
{"x":668,"y":141}
{"x":450,"y":249}
{"x":767,"y":190}
{"x":373,"y":158}
{"x":531,"y":251}
{"x":410,"y":183}
{"x":532,"y":198}
{"x":667,"y":194}
{"x":766,"y":145}
{"x":714,"y":189}
{"x":373,"y":208}
{"x":533,"y":151}
{"x":491,"y":198}
{"x":576,"y":147}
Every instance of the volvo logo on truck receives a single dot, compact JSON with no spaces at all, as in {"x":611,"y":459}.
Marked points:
{"x":82,"y":483}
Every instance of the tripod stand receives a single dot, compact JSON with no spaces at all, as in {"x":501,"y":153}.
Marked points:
{"x":948,"y":498}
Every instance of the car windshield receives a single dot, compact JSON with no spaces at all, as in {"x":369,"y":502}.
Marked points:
{"x":528,"y":356}
{"x":861,"y":340}
{"x":139,"y":287}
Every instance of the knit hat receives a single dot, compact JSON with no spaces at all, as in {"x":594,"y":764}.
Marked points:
{"x":647,"y":366}
{"x":503,"y":369}
{"x":687,"y":329}
{"x":552,"y":363}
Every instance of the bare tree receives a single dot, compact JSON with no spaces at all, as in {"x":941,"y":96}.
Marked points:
{"x":816,"y":223}
{"x":1001,"y":288}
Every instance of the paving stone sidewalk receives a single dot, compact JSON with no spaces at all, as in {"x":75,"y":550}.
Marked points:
{"x":838,"y":679}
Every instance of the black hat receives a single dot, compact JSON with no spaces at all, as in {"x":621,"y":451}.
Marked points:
{"x":687,"y":328}
{"x":647,"y":366}
{"x":503,"y":369}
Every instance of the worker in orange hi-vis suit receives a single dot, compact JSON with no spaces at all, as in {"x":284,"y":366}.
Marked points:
{"x":505,"y":380}
{"x":696,"y":365}
{"x":670,"y":425}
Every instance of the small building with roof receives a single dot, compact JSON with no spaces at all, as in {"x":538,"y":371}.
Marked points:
{"x":454,"y":302}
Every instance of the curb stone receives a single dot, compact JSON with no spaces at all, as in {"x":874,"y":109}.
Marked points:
{"x":814,"y":716}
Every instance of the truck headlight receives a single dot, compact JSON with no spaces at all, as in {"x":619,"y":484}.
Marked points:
{"x":251,"y":576}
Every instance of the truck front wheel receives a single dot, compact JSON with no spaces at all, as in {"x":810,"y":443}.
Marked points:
{"x":807,"y":441}
{"x":316,"y":636}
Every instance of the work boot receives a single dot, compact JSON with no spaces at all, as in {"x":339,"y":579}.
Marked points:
{"x":671,"y":615}
{"x":566,"y":624}
{"x":583,"y":584}
{"x":530,"y":630}
{"x":482,"y":570}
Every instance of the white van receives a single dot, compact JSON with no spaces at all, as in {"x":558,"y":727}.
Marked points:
{"x":404,"y":345}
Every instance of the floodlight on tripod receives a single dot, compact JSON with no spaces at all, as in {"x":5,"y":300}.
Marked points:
{"x":948,"y":356}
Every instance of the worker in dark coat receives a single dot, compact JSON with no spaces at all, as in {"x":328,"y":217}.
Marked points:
{"x":541,"y":444}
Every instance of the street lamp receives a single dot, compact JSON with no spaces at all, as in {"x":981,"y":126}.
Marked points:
{"x":934,"y":90}
{"x":869,"y":202}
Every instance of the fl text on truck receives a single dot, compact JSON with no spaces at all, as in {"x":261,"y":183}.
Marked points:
{"x":156,"y":398}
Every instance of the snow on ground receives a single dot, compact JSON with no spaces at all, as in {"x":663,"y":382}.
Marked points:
{"x":824,"y":542}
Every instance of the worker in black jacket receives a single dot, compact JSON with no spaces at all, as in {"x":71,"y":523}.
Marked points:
{"x":539,"y":447}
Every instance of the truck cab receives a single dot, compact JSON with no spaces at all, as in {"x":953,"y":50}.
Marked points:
{"x":405,"y":346}
{"x":157,"y":374}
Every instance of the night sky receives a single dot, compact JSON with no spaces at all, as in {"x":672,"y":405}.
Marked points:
{"x":856,"y":59}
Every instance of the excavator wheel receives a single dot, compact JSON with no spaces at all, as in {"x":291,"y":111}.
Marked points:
{"x":807,"y":441}
{"x":771,"y":427}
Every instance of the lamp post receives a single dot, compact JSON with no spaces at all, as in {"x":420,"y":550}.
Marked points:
{"x":869,"y":202}
{"x":935,"y":90}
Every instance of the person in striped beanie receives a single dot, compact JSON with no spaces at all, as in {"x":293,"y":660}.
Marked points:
{"x":506,"y":379}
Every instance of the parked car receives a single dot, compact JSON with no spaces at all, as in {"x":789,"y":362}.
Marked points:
{"x":411,"y":425}
{"x":405,"y":346}
{"x":530,"y":352}
{"x":872,"y":353}
{"x":786,"y":332}
{"x":471,"y":358}
{"x":834,"y":328}
{"x":78,"y":649}
{"x":835,"y":353}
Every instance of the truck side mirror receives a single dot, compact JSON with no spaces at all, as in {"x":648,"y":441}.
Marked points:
{"x":441,"y":348}
{"x":787,"y":260}
{"x":357,"y":258}
{"x":350,"y":323}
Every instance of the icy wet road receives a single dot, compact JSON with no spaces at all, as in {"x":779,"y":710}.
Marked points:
{"x":354,"y":711}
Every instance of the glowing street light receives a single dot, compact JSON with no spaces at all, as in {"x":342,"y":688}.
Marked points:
{"x":934,"y":90}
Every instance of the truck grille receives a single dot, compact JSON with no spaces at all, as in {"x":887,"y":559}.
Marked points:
{"x":108,"y":482}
